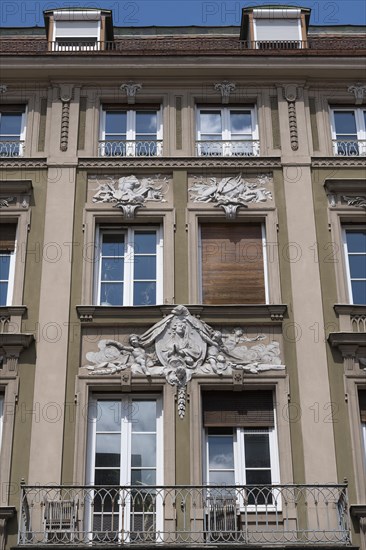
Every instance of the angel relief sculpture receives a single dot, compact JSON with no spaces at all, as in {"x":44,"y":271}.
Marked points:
{"x":180,"y":346}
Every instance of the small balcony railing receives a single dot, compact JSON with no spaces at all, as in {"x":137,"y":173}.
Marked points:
{"x":11,"y":148}
{"x":130,"y":148}
{"x":349,"y":147}
{"x":199,"y":515}
{"x":233,"y":148}
{"x":279,"y":44}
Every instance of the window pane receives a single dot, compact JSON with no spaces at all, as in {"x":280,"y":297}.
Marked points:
{"x":108,"y":450}
{"x":116,"y":122}
{"x":113,"y":244}
{"x":112,"y":269}
{"x":241,"y":122}
{"x":345,"y":122}
{"x":144,"y":294}
{"x":258,"y":477}
{"x":211,"y":122}
{"x":145,"y":267}
{"x":108,"y":415}
{"x":146,"y":122}
{"x":359,"y":292}
{"x":143,"y":477}
{"x":221,"y":453}
{"x":143,"y":453}
{"x":356,"y":241}
{"x":144,"y":416}
{"x":111,"y":293}
{"x":3,"y":293}
{"x":257,"y":451}
{"x":107,"y":477}
{"x":357,"y":266}
{"x":11,"y":123}
{"x":222,"y":478}
{"x":145,"y":242}
{"x":4,"y":266}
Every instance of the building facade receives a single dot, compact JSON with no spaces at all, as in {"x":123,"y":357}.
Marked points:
{"x":183,"y":283}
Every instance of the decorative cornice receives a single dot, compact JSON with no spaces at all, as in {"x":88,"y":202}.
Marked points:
{"x":338,"y":186}
{"x":358,"y":510}
{"x":225,"y":88}
{"x":131,"y":163}
{"x":12,"y":344}
{"x":359,"y":91}
{"x":347,"y":342}
{"x":17,"y":163}
{"x":349,"y":309}
{"x":338,"y":162}
{"x":131,"y":89}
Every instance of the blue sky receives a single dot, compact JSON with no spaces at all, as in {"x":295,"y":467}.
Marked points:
{"x":181,"y":12}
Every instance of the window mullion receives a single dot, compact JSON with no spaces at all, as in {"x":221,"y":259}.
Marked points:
{"x":129,"y":268}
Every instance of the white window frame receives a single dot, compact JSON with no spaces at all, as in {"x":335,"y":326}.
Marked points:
{"x":239,"y":463}
{"x":225,"y":125}
{"x":11,"y":277}
{"x":131,"y":129}
{"x":346,"y":228}
{"x":125,"y":468}
{"x":360,"y":127}
{"x":257,"y":42}
{"x":21,"y":137}
{"x":265,"y":262}
{"x":129,"y":261}
{"x":73,"y":39}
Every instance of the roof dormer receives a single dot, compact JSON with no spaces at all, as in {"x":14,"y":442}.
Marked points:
{"x":73,"y":29}
{"x":279,"y":27}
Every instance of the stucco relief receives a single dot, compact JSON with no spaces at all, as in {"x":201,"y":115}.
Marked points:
{"x":130,"y":193}
{"x":359,"y":201}
{"x":231,"y":193}
{"x":181,"y":346}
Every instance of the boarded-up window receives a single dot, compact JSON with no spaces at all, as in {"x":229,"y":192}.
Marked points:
{"x":248,"y":409}
{"x":232,"y":264}
{"x":362,"y":401}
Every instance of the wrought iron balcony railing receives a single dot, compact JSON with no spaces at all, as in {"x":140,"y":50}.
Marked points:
{"x":349,"y":147}
{"x":11,"y":148}
{"x":232,"y":148}
{"x":237,"y":515}
{"x":130,"y":148}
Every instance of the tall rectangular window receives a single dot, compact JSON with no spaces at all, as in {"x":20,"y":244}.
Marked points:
{"x":232,"y":260}
{"x":227,"y":132}
{"x":12,"y":130}
{"x":355,"y":252}
{"x":362,"y":403}
{"x":130,"y":132}
{"x":7,"y":262}
{"x":125,"y":451}
{"x":129,"y":267}
{"x":349,"y":131}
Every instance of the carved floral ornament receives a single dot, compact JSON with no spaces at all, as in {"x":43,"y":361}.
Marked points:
{"x":131,"y":89}
{"x":181,"y":346}
{"x":130,"y":193}
{"x":231,"y":193}
{"x":359,"y":91}
{"x":225,"y":88}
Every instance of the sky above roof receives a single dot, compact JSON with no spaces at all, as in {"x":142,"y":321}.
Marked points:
{"x":19,"y":13}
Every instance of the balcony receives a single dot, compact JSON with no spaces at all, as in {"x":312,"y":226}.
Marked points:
{"x":232,"y":148}
{"x":349,"y":147}
{"x":11,"y":148}
{"x":132,"y":148}
{"x":200,"y":515}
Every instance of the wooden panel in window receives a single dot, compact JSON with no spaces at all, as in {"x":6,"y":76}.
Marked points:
{"x":7,"y":236}
{"x":232,"y":264}
{"x":248,"y":409}
{"x":362,"y":401}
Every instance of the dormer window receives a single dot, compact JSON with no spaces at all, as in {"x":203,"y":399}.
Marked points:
{"x":275,"y":27}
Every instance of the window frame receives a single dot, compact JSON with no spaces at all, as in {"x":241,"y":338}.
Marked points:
{"x":264,"y":252}
{"x":128,"y":280}
{"x":360,"y":120}
{"x":344,"y":228}
{"x":23,"y":128}
{"x":11,"y":276}
{"x":226,"y":132}
{"x":131,"y":129}
{"x":74,"y":43}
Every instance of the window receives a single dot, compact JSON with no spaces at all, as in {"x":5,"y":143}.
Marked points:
{"x":349,"y":131}
{"x":130,"y":132}
{"x":227,"y":132}
{"x":283,"y":31}
{"x":241,"y":443}
{"x":7,"y":262}
{"x":12,"y":130}
{"x":76,"y":30}
{"x":362,"y":402}
{"x":125,"y":439}
{"x":1,"y":417}
{"x":232,"y":258}
{"x":354,"y":240}
{"x":129,"y":266}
